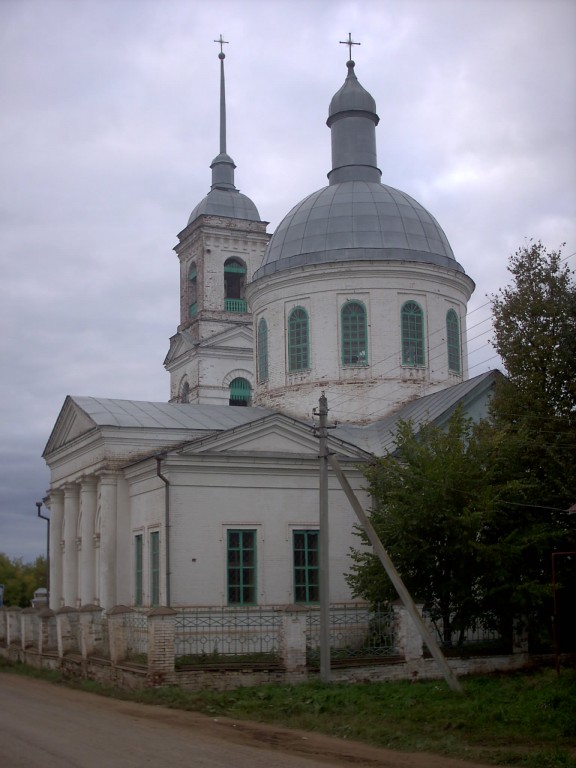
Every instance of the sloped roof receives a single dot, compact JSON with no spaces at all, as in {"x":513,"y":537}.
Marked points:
{"x":137,"y":413}
{"x":379,"y":438}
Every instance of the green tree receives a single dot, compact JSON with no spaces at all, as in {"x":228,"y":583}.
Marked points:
{"x":21,"y":579}
{"x":431,"y":504}
{"x":533,"y":428}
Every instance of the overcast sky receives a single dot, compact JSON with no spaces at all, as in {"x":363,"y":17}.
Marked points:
{"x":109,"y":122}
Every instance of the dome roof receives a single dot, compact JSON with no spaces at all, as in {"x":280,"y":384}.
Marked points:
{"x":357,"y":220}
{"x":352,"y":96}
{"x":226,"y":202}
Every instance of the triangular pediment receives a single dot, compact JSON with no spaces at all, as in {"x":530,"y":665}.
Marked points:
{"x":275,"y":434}
{"x":238,"y":337}
{"x":72,"y":423}
{"x":181,"y":343}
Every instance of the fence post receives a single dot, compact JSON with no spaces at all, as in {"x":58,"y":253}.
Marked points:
{"x":90,"y":619}
{"x":407,"y":638}
{"x":13,"y":630}
{"x":3,"y":623}
{"x":292,"y":638}
{"x":66,"y":630}
{"x":161,"y":646}
{"x":28,"y":617}
{"x":117,"y":634}
{"x":47,"y":631}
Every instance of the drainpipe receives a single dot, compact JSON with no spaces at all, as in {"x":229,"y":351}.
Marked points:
{"x":166,"y":521}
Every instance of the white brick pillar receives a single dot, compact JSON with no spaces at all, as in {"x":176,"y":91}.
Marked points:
{"x":87,"y":553}
{"x":71,"y":509}
{"x":107,"y":552}
{"x":408,"y":640}
{"x":292,"y":645}
{"x":161,"y":645}
{"x":56,"y":505}
{"x":90,"y":618}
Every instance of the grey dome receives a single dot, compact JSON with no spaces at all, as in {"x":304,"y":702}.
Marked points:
{"x":226,"y":202}
{"x":352,"y":97}
{"x":357,"y":220}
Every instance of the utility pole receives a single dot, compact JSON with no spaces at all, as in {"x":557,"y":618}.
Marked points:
{"x":394,"y":577}
{"x":324,"y":544}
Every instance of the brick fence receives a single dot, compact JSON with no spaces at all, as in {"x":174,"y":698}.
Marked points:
{"x":125,"y":648}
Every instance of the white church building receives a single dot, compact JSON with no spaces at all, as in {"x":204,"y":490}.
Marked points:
{"x":211,"y":499}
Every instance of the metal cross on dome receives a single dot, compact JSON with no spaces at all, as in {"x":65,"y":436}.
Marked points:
{"x":349,"y":43}
{"x":221,"y":42}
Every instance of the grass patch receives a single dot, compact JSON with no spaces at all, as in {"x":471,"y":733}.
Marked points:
{"x":523,"y":719}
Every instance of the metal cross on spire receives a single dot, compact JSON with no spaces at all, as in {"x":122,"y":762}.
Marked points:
{"x":222,"y":43}
{"x":349,"y":43}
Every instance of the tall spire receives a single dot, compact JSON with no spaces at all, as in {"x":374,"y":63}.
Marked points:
{"x":222,"y":166}
{"x":352,"y":120}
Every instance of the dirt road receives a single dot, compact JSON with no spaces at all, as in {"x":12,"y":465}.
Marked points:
{"x":43,"y":725}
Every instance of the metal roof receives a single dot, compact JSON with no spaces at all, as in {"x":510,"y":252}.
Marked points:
{"x":357,"y":220}
{"x":379,"y":438}
{"x":142,"y":414}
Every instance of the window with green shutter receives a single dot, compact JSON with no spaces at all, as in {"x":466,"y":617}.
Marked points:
{"x":138,"y":569}
{"x":155,"y":568}
{"x":306,"y":552}
{"x":192,"y":291}
{"x":262,"y":347}
{"x":234,"y":285}
{"x":240,"y":392}
{"x":354,"y":328}
{"x":412,"y":322}
{"x":298,"y":343}
{"x":453,"y":341}
{"x":241,"y":567}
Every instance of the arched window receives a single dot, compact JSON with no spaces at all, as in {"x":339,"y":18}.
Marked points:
{"x":240,"y":392}
{"x":298,"y":344}
{"x":185,"y":393}
{"x":412,"y":319}
{"x":262,"y":345}
{"x":453,"y":341}
{"x":354,"y":334}
{"x":192,"y":292}
{"x":234,"y":285}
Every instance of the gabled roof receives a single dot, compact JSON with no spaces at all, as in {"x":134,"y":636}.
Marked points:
{"x":379,"y":438}
{"x":80,"y":415}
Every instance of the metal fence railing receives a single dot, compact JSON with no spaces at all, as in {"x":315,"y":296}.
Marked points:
{"x":477,"y":637}
{"x":136,"y":629}
{"x":356,"y":632}
{"x":212,"y":635}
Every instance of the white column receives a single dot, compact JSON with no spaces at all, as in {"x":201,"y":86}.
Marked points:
{"x":71,"y":509}
{"x":56,"y":504}
{"x":108,"y":494}
{"x":87,"y":559}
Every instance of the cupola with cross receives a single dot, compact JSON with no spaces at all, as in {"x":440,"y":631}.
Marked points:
{"x":210,"y":360}
{"x":359,"y":294}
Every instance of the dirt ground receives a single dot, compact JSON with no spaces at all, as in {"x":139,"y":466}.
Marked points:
{"x":43,"y":725}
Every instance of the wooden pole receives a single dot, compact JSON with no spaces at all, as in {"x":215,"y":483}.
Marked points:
{"x":395,"y":578}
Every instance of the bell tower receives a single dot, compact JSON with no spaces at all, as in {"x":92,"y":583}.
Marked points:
{"x":210,"y":359}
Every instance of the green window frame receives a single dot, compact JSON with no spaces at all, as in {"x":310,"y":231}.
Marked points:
{"x":453,"y":341}
{"x":192,"y":291}
{"x":298,"y":340}
{"x":306,"y":554}
{"x":412,"y":323}
{"x":262,"y":345}
{"x":234,"y":286}
{"x":241,"y":566}
{"x":240,"y":391}
{"x":155,"y":568}
{"x":354,"y":330}
{"x":138,"y":569}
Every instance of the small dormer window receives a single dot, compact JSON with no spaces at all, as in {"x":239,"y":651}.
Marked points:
{"x":234,"y":286}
